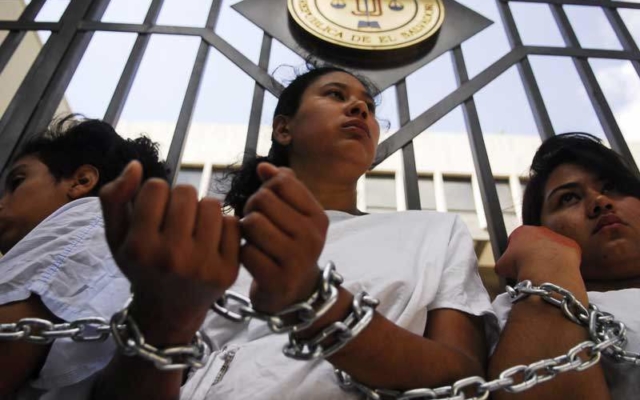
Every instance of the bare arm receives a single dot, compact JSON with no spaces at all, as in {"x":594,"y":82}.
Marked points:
{"x":19,"y":361}
{"x":537,"y":330}
{"x":180,"y":254}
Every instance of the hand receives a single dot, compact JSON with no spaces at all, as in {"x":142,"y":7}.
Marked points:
{"x":180,"y":254}
{"x":539,"y":254}
{"x":285,"y":228}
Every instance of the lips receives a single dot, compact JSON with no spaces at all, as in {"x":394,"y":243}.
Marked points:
{"x":607,"y":220}
{"x":358,"y":125}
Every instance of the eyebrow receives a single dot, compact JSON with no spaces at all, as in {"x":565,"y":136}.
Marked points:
{"x":569,"y":185}
{"x":345,"y":87}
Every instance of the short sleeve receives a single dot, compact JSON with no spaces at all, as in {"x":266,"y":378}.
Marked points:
{"x":66,"y":261}
{"x":460,"y":287}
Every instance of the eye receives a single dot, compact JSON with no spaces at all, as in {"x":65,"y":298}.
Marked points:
{"x":609,"y":187}
{"x":568,"y":198}
{"x":337,"y":94}
{"x":372,"y":107}
{"x":13,"y":182}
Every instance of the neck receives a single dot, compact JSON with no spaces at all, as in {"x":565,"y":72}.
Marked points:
{"x":607,"y":285}
{"x":332,"y":195}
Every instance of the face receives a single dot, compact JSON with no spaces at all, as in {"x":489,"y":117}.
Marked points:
{"x":604,"y":222}
{"x":335,"y":127}
{"x":31,"y":194}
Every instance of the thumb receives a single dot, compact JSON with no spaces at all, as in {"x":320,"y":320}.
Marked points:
{"x":116,"y":198}
{"x":266,"y":171}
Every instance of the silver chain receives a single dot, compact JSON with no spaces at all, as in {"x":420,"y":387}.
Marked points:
{"x":131,"y":342}
{"x":608,"y":337}
{"x":300,"y":315}
{"x":125,"y":333}
{"x":303,"y":315}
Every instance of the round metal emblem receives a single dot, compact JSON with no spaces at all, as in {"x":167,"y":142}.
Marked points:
{"x":369,"y":24}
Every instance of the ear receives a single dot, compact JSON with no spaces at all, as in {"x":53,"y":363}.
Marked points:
{"x":83,"y":181}
{"x":281,"y":132}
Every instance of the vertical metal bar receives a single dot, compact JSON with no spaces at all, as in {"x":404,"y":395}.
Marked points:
{"x":411,"y":189}
{"x":490,"y":200}
{"x":116,"y":105}
{"x":179,"y":139}
{"x":65,"y":71}
{"x":13,"y":39}
{"x":624,"y":36}
{"x":594,"y":91}
{"x":253,"y":131}
{"x":536,"y":102}
{"x":31,"y":91}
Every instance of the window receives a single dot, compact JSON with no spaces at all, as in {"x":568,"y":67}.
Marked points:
{"x":504,"y":194}
{"x":219,"y":184}
{"x":459,"y":194}
{"x":380,"y":193}
{"x":427,"y":193}
{"x":189,"y":176}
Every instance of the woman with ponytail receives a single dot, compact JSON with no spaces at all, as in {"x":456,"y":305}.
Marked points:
{"x":298,"y":212}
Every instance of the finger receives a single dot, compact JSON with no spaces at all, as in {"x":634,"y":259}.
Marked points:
{"x":208,"y":225}
{"x":149,"y":207}
{"x":262,"y":233}
{"x":293,"y":191}
{"x":266,"y":171}
{"x":180,"y":218}
{"x":263,"y":269}
{"x":230,"y":240}
{"x":115,"y":198}
{"x":281,"y":214}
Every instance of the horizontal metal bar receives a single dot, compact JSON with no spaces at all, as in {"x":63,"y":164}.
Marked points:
{"x":419,"y":124}
{"x":595,"y":3}
{"x":582,"y":53}
{"x":14,"y":38}
{"x":29,"y":26}
{"x":141,"y":28}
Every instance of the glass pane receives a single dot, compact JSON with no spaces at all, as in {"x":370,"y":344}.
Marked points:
{"x":126,"y":11}
{"x":189,"y":176}
{"x":504,"y":195}
{"x":184,"y":12}
{"x":536,"y":24}
{"x":17,"y":68}
{"x":156,"y":97}
{"x":459,"y":194}
{"x":488,"y":46}
{"x":564,"y":95}
{"x":592,"y":28}
{"x":52,"y":11}
{"x":427,"y":193}
{"x":621,"y":86}
{"x":219,"y":184}
{"x":95,"y":80}
{"x":239,"y":31}
{"x":380,"y":193}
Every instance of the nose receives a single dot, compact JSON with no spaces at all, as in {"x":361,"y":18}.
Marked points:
{"x":359,"y":107}
{"x":602,"y":204}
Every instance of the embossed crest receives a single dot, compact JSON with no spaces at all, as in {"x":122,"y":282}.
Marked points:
{"x":369,"y":24}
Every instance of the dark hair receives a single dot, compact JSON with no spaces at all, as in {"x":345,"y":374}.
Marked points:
{"x":584,"y":150}
{"x":245,"y":181}
{"x":71,"y":142}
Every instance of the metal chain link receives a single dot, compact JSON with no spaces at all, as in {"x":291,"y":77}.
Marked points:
{"x":608,"y":337}
{"x":131,"y":342}
{"x":125,"y":333}
{"x":303,"y":315}
{"x":335,"y":336}
{"x":298,"y":316}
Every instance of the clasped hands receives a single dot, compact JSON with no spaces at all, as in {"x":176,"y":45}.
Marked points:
{"x":180,"y":253}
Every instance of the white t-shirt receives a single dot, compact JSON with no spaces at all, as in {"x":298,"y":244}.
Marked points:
{"x":412,"y":262}
{"x":66,"y":261}
{"x":623,"y":379}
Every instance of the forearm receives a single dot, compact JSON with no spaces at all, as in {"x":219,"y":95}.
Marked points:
{"x":536,"y":330}
{"x":387,"y":356}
